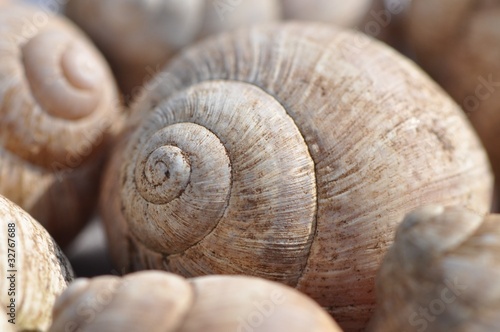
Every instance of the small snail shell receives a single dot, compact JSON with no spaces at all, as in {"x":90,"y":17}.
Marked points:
{"x":282,"y":153}
{"x":42,"y":270}
{"x":161,"y":302}
{"x":139,"y":36}
{"x":58,"y":102}
{"x":343,"y":13}
{"x":441,"y":274}
{"x":459,"y":45}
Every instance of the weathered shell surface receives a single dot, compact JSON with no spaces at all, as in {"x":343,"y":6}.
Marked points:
{"x":58,"y":102}
{"x":161,"y":302}
{"x":441,"y":274}
{"x":42,"y":272}
{"x":284,"y":152}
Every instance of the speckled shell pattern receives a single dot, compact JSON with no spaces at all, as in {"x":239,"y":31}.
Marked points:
{"x":42,"y":270}
{"x":58,"y":104}
{"x":285,"y":152}
{"x":157,"y":301}
{"x":441,"y":274}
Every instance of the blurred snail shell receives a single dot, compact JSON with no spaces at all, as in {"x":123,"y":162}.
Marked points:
{"x":139,"y":36}
{"x":459,"y":45}
{"x":58,"y":101}
{"x":42,"y":270}
{"x":441,"y":274}
{"x":283,"y":153}
{"x":343,"y":13}
{"x":156,"y":301}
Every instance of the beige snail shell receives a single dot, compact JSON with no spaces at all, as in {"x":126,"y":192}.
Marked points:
{"x":441,"y":274}
{"x":342,"y":13}
{"x":282,"y":152}
{"x":38,"y":274}
{"x":58,"y":102}
{"x":459,"y":45}
{"x":157,"y":301}
{"x":139,"y":36}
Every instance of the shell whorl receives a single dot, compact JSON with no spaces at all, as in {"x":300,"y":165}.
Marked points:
{"x":58,"y":97}
{"x":325,"y":158}
{"x":202,"y":174}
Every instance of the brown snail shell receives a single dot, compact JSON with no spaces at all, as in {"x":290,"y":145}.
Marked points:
{"x":58,"y":101}
{"x":42,"y":271}
{"x":280,"y":152}
{"x":139,"y":36}
{"x":441,"y":274}
{"x":459,"y":45}
{"x":156,"y":301}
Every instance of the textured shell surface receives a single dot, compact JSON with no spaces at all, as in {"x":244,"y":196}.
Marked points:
{"x":287,"y":152}
{"x":58,"y":102}
{"x":157,"y":301}
{"x":42,"y":272}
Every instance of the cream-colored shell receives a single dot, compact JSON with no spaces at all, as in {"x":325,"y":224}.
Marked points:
{"x":459,"y":45}
{"x":441,"y":274}
{"x":139,"y":36}
{"x":343,"y":13}
{"x":58,"y":102}
{"x":162,"y":302}
{"x":42,"y":270}
{"x":285,"y":153}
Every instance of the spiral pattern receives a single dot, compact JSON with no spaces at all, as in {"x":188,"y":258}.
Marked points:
{"x":327,"y":148}
{"x":58,"y":108}
{"x":187,"y":169}
{"x":56,"y":105}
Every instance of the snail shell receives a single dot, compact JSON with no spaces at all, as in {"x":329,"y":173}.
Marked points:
{"x":139,"y":36}
{"x":459,"y":45}
{"x":343,"y":13}
{"x":280,"y":152}
{"x":161,"y":302}
{"x":42,"y":270}
{"x":58,"y":101}
{"x":441,"y":274}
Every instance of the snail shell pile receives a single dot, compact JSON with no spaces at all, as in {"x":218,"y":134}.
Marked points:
{"x":58,"y":101}
{"x":441,"y":274}
{"x":282,"y":152}
{"x":42,"y":270}
{"x":156,"y":301}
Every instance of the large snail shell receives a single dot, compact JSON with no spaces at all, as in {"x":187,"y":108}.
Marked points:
{"x":139,"y":36}
{"x":283,"y":153}
{"x":459,"y":45}
{"x":58,"y":101}
{"x":161,"y":302}
{"x":343,"y":13}
{"x":42,"y":270}
{"x":441,"y":274}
